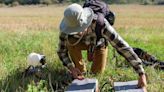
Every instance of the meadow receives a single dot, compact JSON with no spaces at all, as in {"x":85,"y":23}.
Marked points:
{"x":26,"y":29}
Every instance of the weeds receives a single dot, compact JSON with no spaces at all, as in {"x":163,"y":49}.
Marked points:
{"x":23,"y":30}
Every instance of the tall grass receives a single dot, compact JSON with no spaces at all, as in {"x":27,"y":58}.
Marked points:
{"x":35,"y":29}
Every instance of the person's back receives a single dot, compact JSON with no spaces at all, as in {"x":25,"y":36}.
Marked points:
{"x":97,"y":6}
{"x":101,"y":10}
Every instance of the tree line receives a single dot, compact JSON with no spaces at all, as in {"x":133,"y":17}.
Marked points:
{"x":48,"y":2}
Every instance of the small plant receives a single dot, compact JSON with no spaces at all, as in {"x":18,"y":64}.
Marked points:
{"x":37,"y":87}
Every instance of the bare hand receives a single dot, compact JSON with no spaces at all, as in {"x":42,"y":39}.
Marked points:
{"x":76,"y":73}
{"x":142,"y":82}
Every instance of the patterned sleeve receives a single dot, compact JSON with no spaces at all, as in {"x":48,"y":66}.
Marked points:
{"x":63,"y":51}
{"x":123,"y":48}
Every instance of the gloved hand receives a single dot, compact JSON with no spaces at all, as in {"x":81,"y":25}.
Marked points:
{"x":76,"y":73}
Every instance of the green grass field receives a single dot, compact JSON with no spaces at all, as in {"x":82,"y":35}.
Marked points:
{"x":26,"y":29}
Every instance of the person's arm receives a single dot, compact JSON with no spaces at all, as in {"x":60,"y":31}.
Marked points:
{"x":63,"y":51}
{"x":64,"y":57}
{"x":126,"y":51}
{"x":123,"y":48}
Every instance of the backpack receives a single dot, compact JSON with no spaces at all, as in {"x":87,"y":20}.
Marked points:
{"x":100,"y":7}
{"x":97,"y":6}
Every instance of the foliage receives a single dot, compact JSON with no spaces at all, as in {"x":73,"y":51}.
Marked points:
{"x":29,"y":1}
{"x":23,"y":30}
{"x":15,"y":3}
{"x":1,"y":1}
{"x":7,"y":2}
{"x":75,"y":1}
{"x":47,"y":2}
{"x":39,"y":88}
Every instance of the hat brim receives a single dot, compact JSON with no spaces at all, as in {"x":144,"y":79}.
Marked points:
{"x":88,"y":13}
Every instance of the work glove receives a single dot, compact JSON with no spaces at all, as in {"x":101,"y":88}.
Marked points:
{"x":76,"y":73}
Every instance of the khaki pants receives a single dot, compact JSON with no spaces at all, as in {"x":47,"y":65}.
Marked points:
{"x":99,"y":56}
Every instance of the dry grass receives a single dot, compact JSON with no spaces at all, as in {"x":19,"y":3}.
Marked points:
{"x":24,"y":29}
{"x":30,"y":17}
{"x":130,"y":16}
{"x":37,"y":17}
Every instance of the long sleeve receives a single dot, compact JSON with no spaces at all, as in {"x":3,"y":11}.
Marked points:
{"x":123,"y":48}
{"x":63,"y":51}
